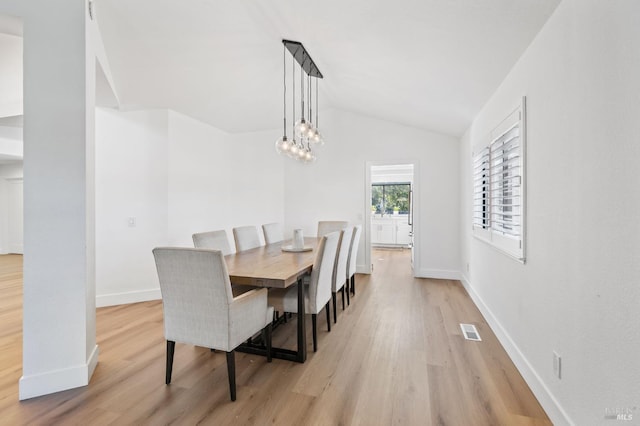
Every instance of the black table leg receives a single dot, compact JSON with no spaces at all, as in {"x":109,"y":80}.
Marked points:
{"x":302,"y":335}
{"x":258,"y":347}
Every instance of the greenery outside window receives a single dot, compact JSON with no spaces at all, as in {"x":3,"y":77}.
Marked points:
{"x":387,"y":198}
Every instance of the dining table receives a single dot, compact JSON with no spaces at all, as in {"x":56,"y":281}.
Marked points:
{"x":276,"y":265}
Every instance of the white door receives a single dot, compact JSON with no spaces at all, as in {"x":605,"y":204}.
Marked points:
{"x":15,"y":216}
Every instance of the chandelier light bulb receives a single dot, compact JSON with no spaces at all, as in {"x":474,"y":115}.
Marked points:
{"x":293,"y":149}
{"x":311,"y":157}
{"x":310,"y":131}
{"x":282,"y":145}
{"x":302,"y":153}
{"x":301,"y":127}
{"x":317,"y":138}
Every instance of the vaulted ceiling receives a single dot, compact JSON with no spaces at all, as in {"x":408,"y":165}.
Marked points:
{"x":425,"y":63}
{"x":430,"y":64}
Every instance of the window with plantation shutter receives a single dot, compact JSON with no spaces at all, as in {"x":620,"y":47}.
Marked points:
{"x":505,"y":183}
{"x":498,"y":186}
{"x":481,"y":189}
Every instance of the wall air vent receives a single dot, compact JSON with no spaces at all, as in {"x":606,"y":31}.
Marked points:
{"x":470,"y":332}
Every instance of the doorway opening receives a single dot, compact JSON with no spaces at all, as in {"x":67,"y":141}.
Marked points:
{"x":11,"y":151}
{"x":391,"y":209}
{"x":11,"y":194}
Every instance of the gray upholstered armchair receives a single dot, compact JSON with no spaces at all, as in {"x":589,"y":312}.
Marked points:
{"x":199,"y":307}
{"x":216,"y":240}
{"x":318,"y":291}
{"x":353,"y":255}
{"x":340,"y":272}
{"x":246,"y":238}
{"x":326,"y":226}
{"x":272,"y":233}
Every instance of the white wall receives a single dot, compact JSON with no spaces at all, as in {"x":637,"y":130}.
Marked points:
{"x":220,"y":181}
{"x":392,"y":174}
{"x":258,"y":179}
{"x":131,"y":182}
{"x":334,"y":187}
{"x":11,"y":142}
{"x":8,"y":172}
{"x":176,"y":176}
{"x":11,"y":170}
{"x":10,"y":75}
{"x":199,"y":178}
{"x":578,"y":292}
{"x":59,"y":346}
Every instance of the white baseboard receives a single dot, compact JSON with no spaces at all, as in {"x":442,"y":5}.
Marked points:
{"x":550,"y":404}
{"x":58,"y":380}
{"x":441,"y":274}
{"x":362,"y":269}
{"x":13,"y":250}
{"x":16,"y":249}
{"x":93,"y":360}
{"x":113,"y":299}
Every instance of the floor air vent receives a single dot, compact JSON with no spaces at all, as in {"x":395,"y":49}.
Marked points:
{"x":470,"y":333}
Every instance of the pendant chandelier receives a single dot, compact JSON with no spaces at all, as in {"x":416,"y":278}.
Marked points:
{"x":306,"y":133}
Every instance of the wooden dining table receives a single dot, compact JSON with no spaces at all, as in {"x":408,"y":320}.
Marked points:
{"x":270,"y":266}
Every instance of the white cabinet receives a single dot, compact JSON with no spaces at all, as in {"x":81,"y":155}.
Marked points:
{"x":383,"y":233}
{"x":403,"y":233}
{"x":390,"y":231}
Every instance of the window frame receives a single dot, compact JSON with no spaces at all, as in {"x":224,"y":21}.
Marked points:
{"x":384,"y":185}
{"x":494,"y":219}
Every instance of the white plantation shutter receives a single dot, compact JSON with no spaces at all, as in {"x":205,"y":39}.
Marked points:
{"x":481,"y":189}
{"x":498,"y":186}
{"x":506,"y":180}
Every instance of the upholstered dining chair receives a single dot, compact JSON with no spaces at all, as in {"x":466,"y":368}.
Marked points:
{"x":216,"y":240}
{"x":246,"y":238}
{"x":318,"y":292}
{"x":199,"y":308}
{"x":326,"y":226}
{"x":272,"y":233}
{"x":340,"y":271}
{"x":353,"y":254}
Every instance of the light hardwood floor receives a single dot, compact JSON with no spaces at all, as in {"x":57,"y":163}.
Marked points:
{"x":396,"y":356}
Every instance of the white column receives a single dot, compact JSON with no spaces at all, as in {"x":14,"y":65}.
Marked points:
{"x":59,"y":344}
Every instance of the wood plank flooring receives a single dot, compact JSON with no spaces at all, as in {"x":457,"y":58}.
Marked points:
{"x":396,"y":356}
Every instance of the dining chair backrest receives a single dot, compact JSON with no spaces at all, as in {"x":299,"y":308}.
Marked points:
{"x":322,"y":272}
{"x":246,"y":237}
{"x":353,"y":251}
{"x":216,"y":240}
{"x":342,"y":257}
{"x":196,"y":295}
{"x":272,"y":233}
{"x":326,"y":226}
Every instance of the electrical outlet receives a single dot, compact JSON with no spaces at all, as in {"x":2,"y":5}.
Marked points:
{"x":557,"y":365}
{"x":131,"y":221}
